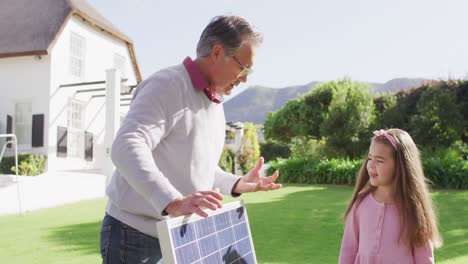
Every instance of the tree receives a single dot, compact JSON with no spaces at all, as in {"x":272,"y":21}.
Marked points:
{"x":386,"y":114}
{"x":461,"y":92}
{"x":439,"y":119}
{"x":406,"y":107}
{"x":271,"y":150}
{"x":249,"y":151}
{"x":350,"y":114}
{"x":226,"y":162}
{"x":316,"y":105}
{"x":336,"y":112}
{"x":286,"y":123}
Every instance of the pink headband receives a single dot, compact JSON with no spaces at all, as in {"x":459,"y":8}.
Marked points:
{"x":383,"y":133}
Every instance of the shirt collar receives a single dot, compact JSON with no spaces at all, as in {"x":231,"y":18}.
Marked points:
{"x":199,"y":81}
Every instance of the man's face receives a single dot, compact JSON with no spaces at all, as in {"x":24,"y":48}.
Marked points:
{"x":231,"y":69}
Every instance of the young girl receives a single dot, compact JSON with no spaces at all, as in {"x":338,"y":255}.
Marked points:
{"x":390,"y":218}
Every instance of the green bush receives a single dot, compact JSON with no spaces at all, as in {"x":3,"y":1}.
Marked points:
{"x":303,"y":148}
{"x":313,"y":171}
{"x":445,"y":173}
{"x":226,"y":162}
{"x":272,"y":150}
{"x":446,"y":169}
{"x":291,"y":170}
{"x":28,"y":164}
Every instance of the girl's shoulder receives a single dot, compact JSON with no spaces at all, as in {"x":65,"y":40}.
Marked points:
{"x":365,"y":201}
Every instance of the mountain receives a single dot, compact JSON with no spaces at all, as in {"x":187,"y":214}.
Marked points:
{"x":396,"y":85}
{"x":254,"y":104}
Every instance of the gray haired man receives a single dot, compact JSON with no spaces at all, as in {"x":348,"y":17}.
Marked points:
{"x":167,"y":150}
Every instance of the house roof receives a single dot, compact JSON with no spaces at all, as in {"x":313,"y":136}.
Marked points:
{"x":31,"y":27}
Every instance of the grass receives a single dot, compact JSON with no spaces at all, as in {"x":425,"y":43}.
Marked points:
{"x":297,"y":224}
{"x":65,"y":234}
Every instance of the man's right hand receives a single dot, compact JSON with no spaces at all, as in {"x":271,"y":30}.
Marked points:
{"x":194,"y":204}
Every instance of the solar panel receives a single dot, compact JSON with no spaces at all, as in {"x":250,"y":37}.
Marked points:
{"x":223,"y":237}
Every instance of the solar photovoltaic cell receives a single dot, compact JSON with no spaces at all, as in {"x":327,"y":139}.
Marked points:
{"x":222,"y":237}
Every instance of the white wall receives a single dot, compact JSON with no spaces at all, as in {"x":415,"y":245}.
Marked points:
{"x":6,"y":108}
{"x":24,"y":79}
{"x":100,"y":49}
{"x":99,"y":56}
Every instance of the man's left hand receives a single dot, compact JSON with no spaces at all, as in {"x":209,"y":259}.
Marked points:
{"x":253,"y":181}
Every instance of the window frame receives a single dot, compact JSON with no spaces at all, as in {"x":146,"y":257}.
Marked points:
{"x":75,"y":128}
{"x":77,"y":52}
{"x":23,"y":122}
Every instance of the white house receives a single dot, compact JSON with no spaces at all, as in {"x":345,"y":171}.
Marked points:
{"x":54,"y":55}
{"x":234,"y":135}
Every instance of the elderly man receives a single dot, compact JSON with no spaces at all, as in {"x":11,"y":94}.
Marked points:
{"x":167,"y":150}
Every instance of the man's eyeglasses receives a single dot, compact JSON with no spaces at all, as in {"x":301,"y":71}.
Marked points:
{"x":245,"y":70}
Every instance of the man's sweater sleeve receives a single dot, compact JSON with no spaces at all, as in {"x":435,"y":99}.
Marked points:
{"x":224,"y":181}
{"x":146,"y":124}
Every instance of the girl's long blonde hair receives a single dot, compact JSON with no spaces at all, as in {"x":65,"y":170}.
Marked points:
{"x":411,"y":192}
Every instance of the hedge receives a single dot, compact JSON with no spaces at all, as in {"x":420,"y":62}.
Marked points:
{"x":29,"y":164}
{"x":441,"y":172}
{"x":333,"y":171}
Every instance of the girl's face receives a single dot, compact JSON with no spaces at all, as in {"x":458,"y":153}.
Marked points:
{"x":380,"y":165}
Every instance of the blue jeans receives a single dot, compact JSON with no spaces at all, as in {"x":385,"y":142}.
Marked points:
{"x":122,"y":244}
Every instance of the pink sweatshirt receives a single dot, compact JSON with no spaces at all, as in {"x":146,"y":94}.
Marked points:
{"x":371,"y":236}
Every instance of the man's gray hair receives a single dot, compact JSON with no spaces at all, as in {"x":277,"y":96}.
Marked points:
{"x":228,"y":31}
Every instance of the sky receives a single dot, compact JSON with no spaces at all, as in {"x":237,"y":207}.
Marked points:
{"x":309,"y":40}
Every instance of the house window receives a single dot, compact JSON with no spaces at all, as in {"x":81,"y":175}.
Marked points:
{"x":230,"y":137}
{"x":119,"y":64}
{"x":77,"y":55}
{"x":75,"y":137}
{"x":23,"y":123}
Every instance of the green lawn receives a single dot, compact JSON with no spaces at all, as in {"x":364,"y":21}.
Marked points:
{"x":297,"y":224}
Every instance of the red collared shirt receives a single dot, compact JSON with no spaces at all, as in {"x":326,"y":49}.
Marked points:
{"x":198,"y":81}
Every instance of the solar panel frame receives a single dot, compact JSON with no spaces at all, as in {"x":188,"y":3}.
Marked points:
{"x":236,"y":231}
